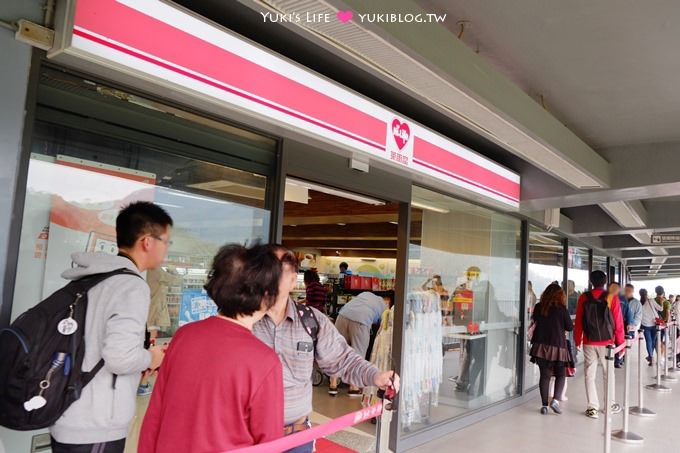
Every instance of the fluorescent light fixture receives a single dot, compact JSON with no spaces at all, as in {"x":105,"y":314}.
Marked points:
{"x":393,"y":222}
{"x":418,"y":204}
{"x":335,"y":192}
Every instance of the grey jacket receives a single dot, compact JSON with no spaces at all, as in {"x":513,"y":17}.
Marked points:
{"x":116,"y":315}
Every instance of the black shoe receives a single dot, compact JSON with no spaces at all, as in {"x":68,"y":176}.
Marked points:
{"x":544,"y":410}
{"x":555,"y":406}
{"x":618,"y":365}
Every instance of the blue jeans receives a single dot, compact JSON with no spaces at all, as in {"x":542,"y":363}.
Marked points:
{"x":650,"y":340}
{"x":306,"y":448}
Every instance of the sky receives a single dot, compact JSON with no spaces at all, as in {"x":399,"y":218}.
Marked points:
{"x":671,"y":285}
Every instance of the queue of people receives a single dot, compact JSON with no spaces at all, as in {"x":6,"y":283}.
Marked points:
{"x":604,"y":316}
{"x":243,"y":377}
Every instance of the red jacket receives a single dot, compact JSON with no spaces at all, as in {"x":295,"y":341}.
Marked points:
{"x":219,"y":389}
{"x":615,"y":307}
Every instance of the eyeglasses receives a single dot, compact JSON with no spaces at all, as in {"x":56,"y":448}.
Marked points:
{"x":167,"y":242}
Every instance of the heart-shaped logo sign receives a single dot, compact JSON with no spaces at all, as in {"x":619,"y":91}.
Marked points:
{"x":344,"y":16}
{"x":401,"y":133}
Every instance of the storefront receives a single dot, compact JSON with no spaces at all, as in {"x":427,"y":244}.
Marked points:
{"x":143,"y":101}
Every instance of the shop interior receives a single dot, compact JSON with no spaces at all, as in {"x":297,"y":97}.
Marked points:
{"x":460,"y":256}
{"x":325,"y":227}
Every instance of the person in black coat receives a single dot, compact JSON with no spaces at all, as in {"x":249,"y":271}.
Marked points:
{"x":548,"y":344}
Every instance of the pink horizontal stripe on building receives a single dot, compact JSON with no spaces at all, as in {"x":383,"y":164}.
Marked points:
{"x":147,"y":34}
{"x":447,"y":163}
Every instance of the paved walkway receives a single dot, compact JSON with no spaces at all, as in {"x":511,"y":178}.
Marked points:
{"x":524,"y":429}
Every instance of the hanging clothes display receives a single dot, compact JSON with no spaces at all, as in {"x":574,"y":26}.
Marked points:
{"x":422,"y":357}
{"x":382,"y":353}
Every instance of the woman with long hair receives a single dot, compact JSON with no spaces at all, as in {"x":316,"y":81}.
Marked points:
{"x":650,"y":313}
{"x":549,"y":344}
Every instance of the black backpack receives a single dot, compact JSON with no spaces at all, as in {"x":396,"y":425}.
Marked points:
{"x":598,"y":322}
{"x":41,"y":356}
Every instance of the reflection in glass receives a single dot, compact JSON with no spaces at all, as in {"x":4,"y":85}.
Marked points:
{"x":546,"y":265}
{"x":464,"y":272}
{"x":78,"y":181}
{"x":577,"y":283}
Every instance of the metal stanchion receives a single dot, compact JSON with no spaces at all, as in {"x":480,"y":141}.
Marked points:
{"x":673,"y":333}
{"x":640,"y":409}
{"x":624,"y":435}
{"x":609,"y":391}
{"x":665,"y":376}
{"x":657,"y":386}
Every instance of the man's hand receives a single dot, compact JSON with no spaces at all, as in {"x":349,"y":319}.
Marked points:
{"x":157,"y":354}
{"x":387,"y":379}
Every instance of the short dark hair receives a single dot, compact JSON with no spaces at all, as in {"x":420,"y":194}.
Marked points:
{"x":598,"y":279}
{"x":287,"y":255}
{"x":311,"y":276}
{"x":629,"y":285}
{"x":138,"y":219}
{"x":343,"y":265}
{"x":243,"y":278}
{"x":615,"y":283}
{"x":659,"y":290}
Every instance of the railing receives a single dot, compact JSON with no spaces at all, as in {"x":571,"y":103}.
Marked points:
{"x":669,"y":344}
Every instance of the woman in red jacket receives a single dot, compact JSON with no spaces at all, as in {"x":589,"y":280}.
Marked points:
{"x":220,"y":388}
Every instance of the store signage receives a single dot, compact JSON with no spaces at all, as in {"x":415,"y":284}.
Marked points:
{"x":157,"y":41}
{"x":666,"y":239}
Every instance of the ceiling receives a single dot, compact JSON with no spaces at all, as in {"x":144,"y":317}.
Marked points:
{"x":578,"y":97}
{"x":606,"y":69}
{"x":339,"y":226}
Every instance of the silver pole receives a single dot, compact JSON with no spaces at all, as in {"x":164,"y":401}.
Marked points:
{"x":607,"y":402}
{"x":667,"y":377}
{"x":657,"y":386}
{"x":640,"y":409}
{"x":624,"y":435}
{"x":674,"y":359}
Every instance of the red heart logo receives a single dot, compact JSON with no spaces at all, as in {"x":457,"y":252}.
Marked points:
{"x":401,"y":133}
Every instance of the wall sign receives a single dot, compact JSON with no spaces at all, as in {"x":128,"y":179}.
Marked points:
{"x":159,"y":42}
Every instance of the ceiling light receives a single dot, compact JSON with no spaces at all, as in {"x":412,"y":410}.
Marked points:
{"x":341,"y":224}
{"x":417,"y":204}
{"x":336,"y":192}
{"x":393,"y":222}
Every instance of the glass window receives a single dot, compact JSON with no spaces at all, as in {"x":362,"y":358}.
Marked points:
{"x":600,"y":263}
{"x":546,"y":265}
{"x":78,"y":181}
{"x":463,"y":300}
{"x":578,"y":277}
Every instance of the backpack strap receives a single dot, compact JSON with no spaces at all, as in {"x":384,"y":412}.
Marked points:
{"x":309,"y":321}
{"x":84,"y":285}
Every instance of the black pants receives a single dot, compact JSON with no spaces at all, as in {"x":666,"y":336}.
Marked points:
{"x":544,"y":382}
{"x":115,"y":446}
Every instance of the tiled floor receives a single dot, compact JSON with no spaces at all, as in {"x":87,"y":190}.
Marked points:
{"x":523,"y":429}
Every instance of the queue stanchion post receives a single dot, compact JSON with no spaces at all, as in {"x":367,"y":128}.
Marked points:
{"x":624,"y":435}
{"x":640,"y":410}
{"x":665,"y":376}
{"x":658,"y":386}
{"x":609,"y":392}
{"x":673,"y":334}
